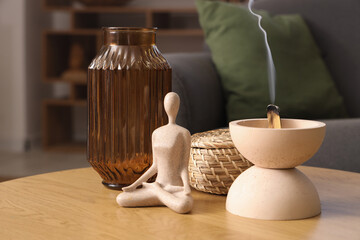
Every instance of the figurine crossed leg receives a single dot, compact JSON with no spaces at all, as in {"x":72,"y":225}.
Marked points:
{"x":171,"y":150}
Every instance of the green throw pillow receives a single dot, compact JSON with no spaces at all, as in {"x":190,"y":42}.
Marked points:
{"x":304,"y":87}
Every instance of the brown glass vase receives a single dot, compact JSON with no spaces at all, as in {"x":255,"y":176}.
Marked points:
{"x":127,"y":83}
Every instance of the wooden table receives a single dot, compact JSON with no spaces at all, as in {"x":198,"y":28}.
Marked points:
{"x":74,"y":205}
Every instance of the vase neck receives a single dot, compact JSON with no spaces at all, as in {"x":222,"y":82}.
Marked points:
{"x":129,"y":36}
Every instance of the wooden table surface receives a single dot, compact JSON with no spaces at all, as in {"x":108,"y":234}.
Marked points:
{"x":74,"y":205}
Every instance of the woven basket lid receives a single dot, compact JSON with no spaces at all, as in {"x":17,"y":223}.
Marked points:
{"x":219,"y":138}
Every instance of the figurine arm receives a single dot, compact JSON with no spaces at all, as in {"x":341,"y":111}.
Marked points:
{"x":185,"y":179}
{"x":148,"y":174}
{"x":143,"y":178}
{"x":184,"y":171}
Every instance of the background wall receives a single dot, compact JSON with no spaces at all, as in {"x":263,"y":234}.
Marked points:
{"x":36,"y":20}
{"x":21,"y":89}
{"x":12,"y":75}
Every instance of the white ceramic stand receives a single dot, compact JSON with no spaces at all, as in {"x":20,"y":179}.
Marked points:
{"x":274,"y":189}
{"x":171,"y":151}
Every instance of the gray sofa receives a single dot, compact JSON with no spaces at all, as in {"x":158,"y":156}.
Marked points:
{"x":334,"y":25}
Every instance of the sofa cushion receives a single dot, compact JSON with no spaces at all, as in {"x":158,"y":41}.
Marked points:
{"x":304,"y":86}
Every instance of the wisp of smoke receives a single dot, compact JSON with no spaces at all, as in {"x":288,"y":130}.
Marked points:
{"x":270,"y":62}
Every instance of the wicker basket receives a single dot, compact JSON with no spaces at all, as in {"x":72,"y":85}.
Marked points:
{"x":214,"y":161}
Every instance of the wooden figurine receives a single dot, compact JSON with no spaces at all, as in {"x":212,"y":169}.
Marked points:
{"x":76,"y":70}
{"x":171,"y":150}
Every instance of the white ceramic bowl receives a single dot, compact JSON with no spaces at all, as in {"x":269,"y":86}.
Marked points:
{"x":295,"y":143}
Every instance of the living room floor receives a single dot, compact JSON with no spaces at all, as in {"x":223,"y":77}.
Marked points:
{"x":14,"y":165}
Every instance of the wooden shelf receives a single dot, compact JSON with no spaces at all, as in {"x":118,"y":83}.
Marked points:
{"x":65,"y":5}
{"x":134,"y":10}
{"x":54,"y":80}
{"x":65,"y":102}
{"x":181,"y":19}
{"x":67,"y":147}
{"x":121,"y":9}
{"x":181,"y":32}
{"x":95,"y":32}
{"x":73,"y":32}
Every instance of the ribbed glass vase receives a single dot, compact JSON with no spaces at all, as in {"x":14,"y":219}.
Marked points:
{"x":127,"y":83}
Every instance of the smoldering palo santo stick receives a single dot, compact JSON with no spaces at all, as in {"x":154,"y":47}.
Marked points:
{"x":273,"y":116}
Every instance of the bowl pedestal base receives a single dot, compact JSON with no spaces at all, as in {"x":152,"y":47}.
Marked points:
{"x":273,"y":194}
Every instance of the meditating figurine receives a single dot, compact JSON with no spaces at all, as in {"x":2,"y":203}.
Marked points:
{"x":171,"y":150}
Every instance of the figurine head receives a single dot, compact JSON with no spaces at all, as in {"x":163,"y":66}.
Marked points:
{"x":171,"y":105}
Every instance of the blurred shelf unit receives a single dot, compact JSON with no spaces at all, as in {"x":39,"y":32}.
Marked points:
{"x":170,"y":21}
{"x":58,"y":125}
{"x":58,"y":113}
{"x":56,"y":52}
{"x":179,"y":30}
